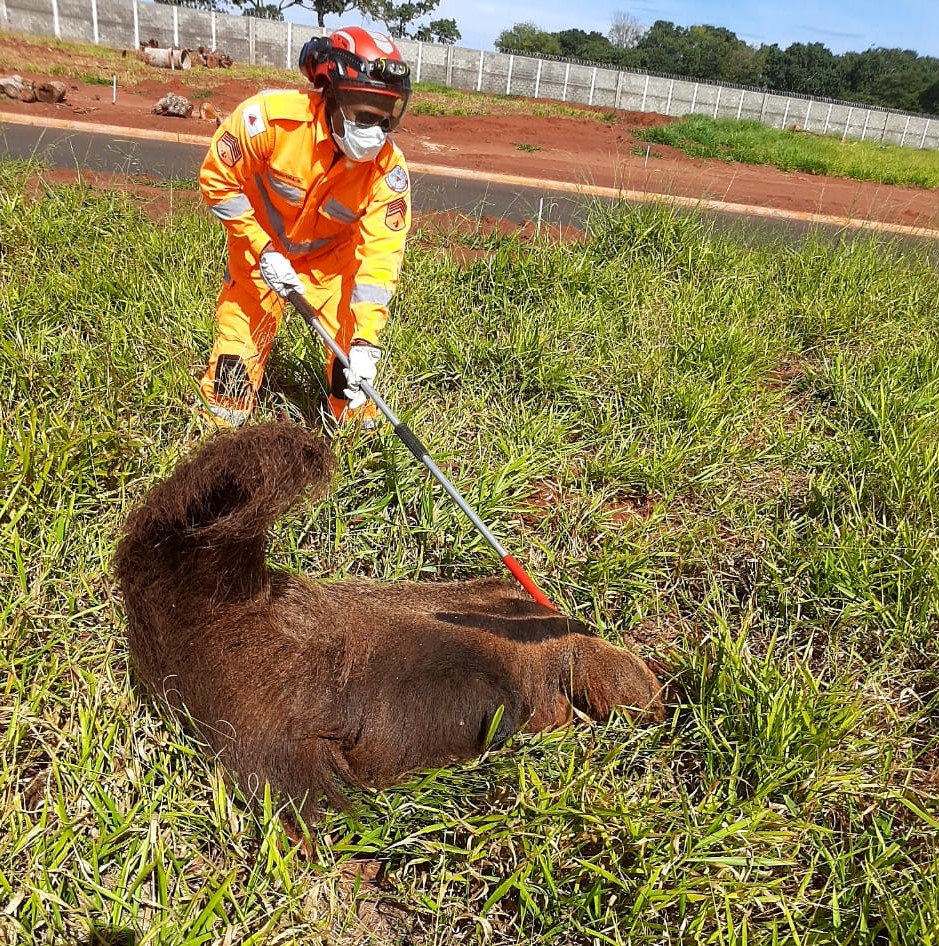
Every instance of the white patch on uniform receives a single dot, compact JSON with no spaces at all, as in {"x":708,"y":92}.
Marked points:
{"x":397,"y":180}
{"x":254,"y":120}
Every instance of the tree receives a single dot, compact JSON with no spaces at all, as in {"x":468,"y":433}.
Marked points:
{"x":267,"y":11}
{"x":593,"y":46}
{"x":712,"y":52}
{"x":439,"y":31}
{"x":270,"y":11}
{"x":626,"y":31}
{"x":804,"y":68}
{"x":661,"y":49}
{"x":397,"y":17}
{"x":528,"y":38}
{"x":929,"y":97}
{"x":896,"y":78}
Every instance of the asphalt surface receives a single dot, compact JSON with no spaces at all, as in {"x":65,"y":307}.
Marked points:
{"x":167,"y":161}
{"x":434,"y":189}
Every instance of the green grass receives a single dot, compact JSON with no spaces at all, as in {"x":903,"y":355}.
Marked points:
{"x":749,"y":142}
{"x":431,"y":98}
{"x":743,"y":447}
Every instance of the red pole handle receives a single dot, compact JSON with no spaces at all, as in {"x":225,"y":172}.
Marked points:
{"x":525,"y":580}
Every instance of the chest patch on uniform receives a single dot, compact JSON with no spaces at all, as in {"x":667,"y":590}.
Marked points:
{"x":397,"y":180}
{"x":254,"y":121}
{"x":228,"y":150}
{"x":396,"y":214}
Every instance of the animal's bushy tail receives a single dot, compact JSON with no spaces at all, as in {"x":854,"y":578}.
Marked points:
{"x":202,"y":532}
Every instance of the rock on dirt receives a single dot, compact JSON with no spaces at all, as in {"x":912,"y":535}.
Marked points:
{"x":174,"y":105}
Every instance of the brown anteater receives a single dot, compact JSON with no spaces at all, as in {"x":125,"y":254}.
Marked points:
{"x":309,"y":685}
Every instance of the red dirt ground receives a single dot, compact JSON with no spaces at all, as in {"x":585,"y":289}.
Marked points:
{"x":570,"y":150}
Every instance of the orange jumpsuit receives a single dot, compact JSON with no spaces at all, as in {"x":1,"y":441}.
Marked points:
{"x":274,"y":176}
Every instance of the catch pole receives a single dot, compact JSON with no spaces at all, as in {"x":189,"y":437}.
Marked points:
{"x":419,"y":451}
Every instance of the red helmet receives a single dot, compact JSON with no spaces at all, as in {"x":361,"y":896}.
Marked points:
{"x":362,"y":74}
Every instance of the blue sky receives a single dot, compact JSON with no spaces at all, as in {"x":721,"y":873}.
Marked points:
{"x":841,"y":25}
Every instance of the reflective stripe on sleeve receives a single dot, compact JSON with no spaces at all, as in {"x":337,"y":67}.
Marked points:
{"x":232,"y":208}
{"x":339,"y":211}
{"x":293,"y":195}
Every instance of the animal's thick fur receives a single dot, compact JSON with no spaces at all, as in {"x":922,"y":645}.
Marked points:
{"x":309,"y":685}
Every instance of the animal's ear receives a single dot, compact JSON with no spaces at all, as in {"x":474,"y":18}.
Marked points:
{"x":604,"y":676}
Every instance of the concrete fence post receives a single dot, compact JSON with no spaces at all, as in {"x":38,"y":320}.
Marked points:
{"x":883,"y":131}
{"x":567,"y":75}
{"x":252,"y":37}
{"x":743,"y":92}
{"x":449,"y":65}
{"x":176,"y":26}
{"x":867,"y":118}
{"x":668,"y":101}
{"x":593,"y":83}
{"x":479,"y":74}
{"x":538,"y":78}
{"x":906,"y":128}
{"x":717,"y":101}
{"x":922,"y":141}
{"x":56,"y":26}
{"x":420,"y":56}
{"x":645,"y":93}
{"x":136,"y":26}
{"x":214,"y":40}
{"x":619,"y":89}
{"x":289,"y":55}
{"x":694,"y":98}
{"x":847,"y":123}
{"x":4,"y":16}
{"x":786,"y":113}
{"x":94,"y":20}
{"x":828,"y":118}
{"x":808,"y":111}
{"x":763,"y":106}
{"x":508,"y":78}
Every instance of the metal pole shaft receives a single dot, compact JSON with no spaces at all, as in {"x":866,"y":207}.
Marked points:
{"x":420,"y":453}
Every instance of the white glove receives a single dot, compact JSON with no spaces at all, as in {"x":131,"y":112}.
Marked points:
{"x":363,"y":365}
{"x":277,"y":272}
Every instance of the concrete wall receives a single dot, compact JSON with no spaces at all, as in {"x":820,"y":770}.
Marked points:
{"x":126,"y":23}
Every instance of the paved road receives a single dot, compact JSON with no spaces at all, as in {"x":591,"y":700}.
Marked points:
{"x":180,"y":161}
{"x":441,"y":189}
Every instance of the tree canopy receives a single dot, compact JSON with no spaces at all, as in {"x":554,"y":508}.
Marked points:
{"x":401,"y":20}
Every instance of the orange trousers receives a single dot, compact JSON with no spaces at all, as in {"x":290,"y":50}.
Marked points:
{"x":247,"y":316}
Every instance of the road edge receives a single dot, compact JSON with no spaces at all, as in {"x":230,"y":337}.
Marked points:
{"x":468,"y":174}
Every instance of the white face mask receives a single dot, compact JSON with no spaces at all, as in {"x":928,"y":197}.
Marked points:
{"x":361,"y":142}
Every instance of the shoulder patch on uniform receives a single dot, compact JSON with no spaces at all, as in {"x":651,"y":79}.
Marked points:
{"x":254,"y":120}
{"x":396,"y":214}
{"x":228,"y":149}
{"x":397,"y":179}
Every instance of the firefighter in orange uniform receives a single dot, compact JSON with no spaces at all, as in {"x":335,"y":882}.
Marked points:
{"x":315,"y":197}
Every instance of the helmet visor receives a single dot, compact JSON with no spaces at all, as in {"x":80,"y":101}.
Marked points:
{"x":369,"y":106}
